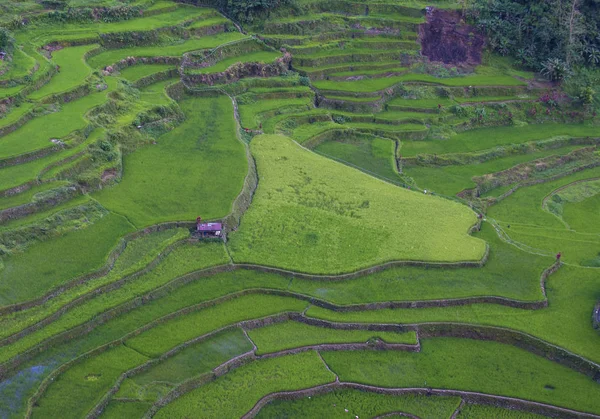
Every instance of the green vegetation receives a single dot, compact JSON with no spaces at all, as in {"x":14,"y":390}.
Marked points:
{"x":195,"y":360}
{"x":51,"y":263}
{"x":484,"y":138}
{"x":339,"y":218}
{"x":94,"y":376}
{"x":473,"y":411}
{"x":252,"y":57}
{"x":292,"y":335}
{"x":235,"y":393}
{"x":56,"y":125}
{"x":489,"y":367}
{"x":361,"y":404}
{"x":137,"y":72}
{"x":112,"y":56}
{"x":72,"y":71}
{"x":198,"y":168}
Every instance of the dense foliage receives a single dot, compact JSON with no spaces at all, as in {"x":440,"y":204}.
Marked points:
{"x":6,"y":40}
{"x":246,"y":10}
{"x":551,"y":36}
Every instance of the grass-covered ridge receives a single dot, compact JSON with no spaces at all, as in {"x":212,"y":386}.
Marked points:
{"x":316,"y":197}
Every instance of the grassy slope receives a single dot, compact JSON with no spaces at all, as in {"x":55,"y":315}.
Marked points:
{"x":292,"y":335}
{"x":136,"y":72}
{"x":48,"y":264}
{"x":487,"y":367}
{"x":361,"y":404}
{"x":324,"y":217}
{"x":571,"y":304}
{"x":113,"y":55}
{"x":196,"y":169}
{"x":73,"y":71}
{"x":531,"y":225}
{"x":484,"y":138}
{"x":36,"y":134}
{"x":450,"y":180}
{"x":235,"y":393}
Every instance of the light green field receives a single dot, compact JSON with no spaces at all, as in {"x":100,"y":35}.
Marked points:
{"x":489,"y":367}
{"x":45,"y":34}
{"x":137,"y":72}
{"x":251,"y":57}
{"x":37,"y":133}
{"x":73,"y":71}
{"x":234,"y":394}
{"x":290,"y":335}
{"x":112,"y":56}
{"x":361,"y":404}
{"x":376,"y":84}
{"x":484,"y":138}
{"x":331,"y":218}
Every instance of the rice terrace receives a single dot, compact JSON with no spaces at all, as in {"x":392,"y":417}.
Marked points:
{"x":299,"y":209}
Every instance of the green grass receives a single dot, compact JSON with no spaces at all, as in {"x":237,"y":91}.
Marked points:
{"x":476,"y":99}
{"x":359,"y":72}
{"x":421,"y":103}
{"x":156,"y":94}
{"x":196,"y":169}
{"x":359,"y":403}
{"x":575,"y":205}
{"x":127,"y":409}
{"x":251,"y":57}
{"x":139,"y":71}
{"x":235,"y":393}
{"x":470,"y":365}
{"x":181,"y":261}
{"x":250,"y":114}
{"x":193,"y":361}
{"x":376,"y":84}
{"x":27,"y":196}
{"x":531,"y":225}
{"x":137,"y":254}
{"x":375,"y":155}
{"x":450,"y":180}
{"x":288,"y":335}
{"x":15,"y":114}
{"x":112,"y":56}
{"x":352,"y":98}
{"x":66,"y":397}
{"x":20,"y":66}
{"x":36,"y":133}
{"x":475,"y":411}
{"x":10,"y":91}
{"x":50,"y":263}
{"x":570,"y":304}
{"x":44,"y":34}
{"x":168,"y":334}
{"x":313,"y":215}
{"x":484,"y":138}
{"x":73,"y":71}
{"x":12,"y":176}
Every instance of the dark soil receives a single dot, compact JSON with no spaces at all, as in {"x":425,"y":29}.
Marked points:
{"x":446,"y":38}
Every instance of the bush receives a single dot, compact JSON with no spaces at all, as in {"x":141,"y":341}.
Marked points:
{"x":304,"y":81}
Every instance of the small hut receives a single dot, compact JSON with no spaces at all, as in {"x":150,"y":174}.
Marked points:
{"x":208,"y":229}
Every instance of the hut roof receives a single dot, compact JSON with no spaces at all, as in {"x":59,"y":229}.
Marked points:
{"x":210,"y":227}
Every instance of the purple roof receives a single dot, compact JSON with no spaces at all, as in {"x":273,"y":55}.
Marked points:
{"x":209,"y":227}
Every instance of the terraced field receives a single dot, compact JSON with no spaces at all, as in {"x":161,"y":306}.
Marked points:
{"x":390,"y":224}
